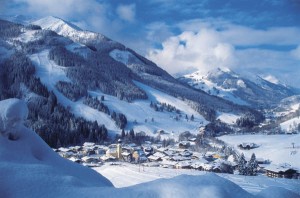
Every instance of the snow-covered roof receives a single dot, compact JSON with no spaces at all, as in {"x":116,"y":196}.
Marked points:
{"x":280,"y":168}
{"x":88,"y":144}
{"x":154,"y":158}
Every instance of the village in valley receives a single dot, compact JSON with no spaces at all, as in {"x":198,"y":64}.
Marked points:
{"x":189,"y":152}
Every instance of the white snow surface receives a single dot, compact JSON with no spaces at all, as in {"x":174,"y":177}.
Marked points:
{"x":228,"y":118}
{"x":124,"y":57}
{"x":29,"y":168}
{"x":290,"y":124}
{"x":277,"y":148}
{"x":126,"y":175}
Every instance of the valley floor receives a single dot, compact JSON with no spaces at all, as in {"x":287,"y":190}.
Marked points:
{"x":125,"y":174}
{"x":277,"y":148}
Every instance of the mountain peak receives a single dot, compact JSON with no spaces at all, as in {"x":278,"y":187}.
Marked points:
{"x":56,"y":24}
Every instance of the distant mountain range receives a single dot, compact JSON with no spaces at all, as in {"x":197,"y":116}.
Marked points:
{"x":255,"y":91}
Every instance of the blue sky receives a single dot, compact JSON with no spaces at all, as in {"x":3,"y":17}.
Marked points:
{"x":182,"y":36}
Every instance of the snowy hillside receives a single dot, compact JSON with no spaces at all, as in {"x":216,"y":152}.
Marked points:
{"x":139,"y":113}
{"x":254,"y":91}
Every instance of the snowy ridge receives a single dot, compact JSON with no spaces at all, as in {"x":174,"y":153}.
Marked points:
{"x":252,"y":90}
{"x":206,"y":83}
{"x":69,"y":30}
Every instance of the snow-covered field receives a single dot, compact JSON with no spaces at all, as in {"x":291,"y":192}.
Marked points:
{"x":125,"y":174}
{"x":277,"y":148}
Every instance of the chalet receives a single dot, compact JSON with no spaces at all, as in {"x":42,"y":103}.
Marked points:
{"x":148,"y":150}
{"x":199,"y":164}
{"x":88,"y":159}
{"x":184,"y":144}
{"x":100,"y":151}
{"x":158,"y":154}
{"x":218,"y":156}
{"x":75,"y":159}
{"x":153,"y":158}
{"x":127,"y":156}
{"x":247,"y":146}
{"x":186,"y":153}
{"x":183,"y":165}
{"x":108,"y":158}
{"x":281,"y":171}
{"x":192,"y":139}
{"x":114,"y":150}
{"x":88,"y":144}
{"x":168,"y":164}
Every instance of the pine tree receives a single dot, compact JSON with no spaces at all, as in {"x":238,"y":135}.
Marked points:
{"x":192,"y":118}
{"x":131,"y":133}
{"x":252,"y":165}
{"x":242,"y":168}
{"x":123,"y":133}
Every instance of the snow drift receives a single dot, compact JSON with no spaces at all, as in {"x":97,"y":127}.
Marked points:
{"x":28,"y":166}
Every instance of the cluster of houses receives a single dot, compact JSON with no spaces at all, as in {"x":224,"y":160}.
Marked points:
{"x":148,"y":154}
{"x":154,"y":155}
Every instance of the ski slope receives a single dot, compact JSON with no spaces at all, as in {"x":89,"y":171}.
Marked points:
{"x":139,"y":113}
{"x":277,"y":148}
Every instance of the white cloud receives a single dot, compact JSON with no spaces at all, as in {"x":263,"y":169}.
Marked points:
{"x":202,"y":51}
{"x":221,"y":44}
{"x":126,"y":12}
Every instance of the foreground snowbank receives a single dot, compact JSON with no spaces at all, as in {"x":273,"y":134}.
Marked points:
{"x":29,"y":168}
{"x":29,"y":165}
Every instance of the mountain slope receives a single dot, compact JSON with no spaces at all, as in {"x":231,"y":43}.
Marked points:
{"x":255,"y":92}
{"x":142,"y":69}
{"x":63,"y":80}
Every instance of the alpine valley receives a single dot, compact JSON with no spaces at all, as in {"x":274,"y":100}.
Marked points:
{"x":81,"y":86}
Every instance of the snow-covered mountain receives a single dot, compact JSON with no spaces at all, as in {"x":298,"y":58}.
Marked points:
{"x":71,"y":78}
{"x":254,"y":91}
{"x":70,"y":30}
